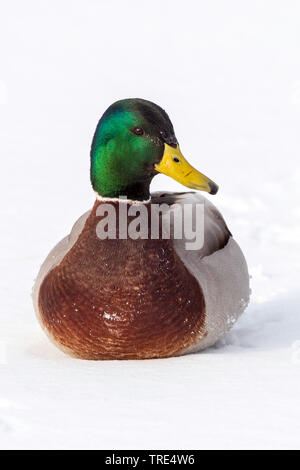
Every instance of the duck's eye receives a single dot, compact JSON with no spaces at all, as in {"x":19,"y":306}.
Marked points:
{"x":138,"y":131}
{"x":176,"y":160}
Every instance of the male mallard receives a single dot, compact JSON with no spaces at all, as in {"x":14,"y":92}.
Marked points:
{"x":126,"y":298}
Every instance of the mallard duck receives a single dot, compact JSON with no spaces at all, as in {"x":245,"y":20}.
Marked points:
{"x":141,"y":297}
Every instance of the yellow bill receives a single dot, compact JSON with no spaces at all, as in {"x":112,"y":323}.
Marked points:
{"x":174,"y":164}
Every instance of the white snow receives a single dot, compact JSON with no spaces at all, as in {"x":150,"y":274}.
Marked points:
{"x":228,"y":74}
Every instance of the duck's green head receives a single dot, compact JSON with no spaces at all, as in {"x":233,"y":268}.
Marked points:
{"x":134,"y":141}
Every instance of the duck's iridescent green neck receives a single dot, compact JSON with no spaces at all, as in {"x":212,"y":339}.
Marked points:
{"x":113,"y":179}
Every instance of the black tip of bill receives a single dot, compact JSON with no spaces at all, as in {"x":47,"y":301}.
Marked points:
{"x":214,"y":188}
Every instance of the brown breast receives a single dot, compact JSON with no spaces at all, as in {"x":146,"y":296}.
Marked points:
{"x":121,"y":299}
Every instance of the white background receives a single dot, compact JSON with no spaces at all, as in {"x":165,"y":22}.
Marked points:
{"x":228,"y":74}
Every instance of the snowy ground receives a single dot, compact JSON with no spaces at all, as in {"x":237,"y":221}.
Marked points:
{"x":228,"y":73}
